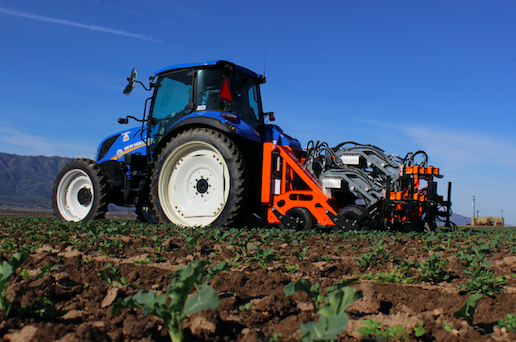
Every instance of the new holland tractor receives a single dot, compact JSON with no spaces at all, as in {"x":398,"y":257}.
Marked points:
{"x":206,"y":154}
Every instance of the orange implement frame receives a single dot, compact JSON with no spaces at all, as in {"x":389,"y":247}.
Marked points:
{"x":417,"y":173}
{"x":420,"y":195}
{"x":287,"y":184}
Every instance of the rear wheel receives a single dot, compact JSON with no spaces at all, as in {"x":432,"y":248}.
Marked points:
{"x":80,"y":192}
{"x":199,"y":180}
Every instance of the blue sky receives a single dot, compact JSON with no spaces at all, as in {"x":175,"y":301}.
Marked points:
{"x":403,"y":75}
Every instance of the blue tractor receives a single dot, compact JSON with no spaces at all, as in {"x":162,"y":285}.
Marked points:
{"x":204,"y":155}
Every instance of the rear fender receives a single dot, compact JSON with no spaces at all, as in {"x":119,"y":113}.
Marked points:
{"x":237,"y":129}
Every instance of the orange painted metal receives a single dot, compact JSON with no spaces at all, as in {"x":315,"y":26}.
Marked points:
{"x":298,"y":187}
{"x":416,"y":173}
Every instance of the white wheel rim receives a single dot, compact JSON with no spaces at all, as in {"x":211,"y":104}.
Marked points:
{"x":68,"y":195}
{"x":193,"y":184}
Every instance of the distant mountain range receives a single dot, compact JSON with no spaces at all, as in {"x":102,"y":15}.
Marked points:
{"x":27,"y":181}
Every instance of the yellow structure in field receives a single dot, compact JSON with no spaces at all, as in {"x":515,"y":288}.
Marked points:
{"x":487,"y":221}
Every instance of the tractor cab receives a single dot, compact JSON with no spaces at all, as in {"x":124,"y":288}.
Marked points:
{"x":217,"y":94}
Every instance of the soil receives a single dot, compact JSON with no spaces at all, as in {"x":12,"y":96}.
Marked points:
{"x":74,"y":286}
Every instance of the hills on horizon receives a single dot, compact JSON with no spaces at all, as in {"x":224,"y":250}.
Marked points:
{"x":26,"y":182}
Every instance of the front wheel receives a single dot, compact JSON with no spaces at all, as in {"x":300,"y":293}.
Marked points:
{"x":80,"y":192}
{"x":199,"y":180}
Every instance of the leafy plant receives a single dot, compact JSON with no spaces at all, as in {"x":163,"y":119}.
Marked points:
{"x":291,"y":268}
{"x":275,"y":338}
{"x":467,"y":311}
{"x":109,"y":274}
{"x":242,"y":244}
{"x":45,"y":308}
{"x":246,"y":307}
{"x":482,"y":279}
{"x":174,"y":306}
{"x":379,"y":255}
{"x":219,"y":267}
{"x":301,"y":255}
{"x":7,"y":269}
{"x":331,"y":309}
{"x":447,"y":326}
{"x":419,"y":330}
{"x":372,"y":329}
{"x":433,"y":269}
{"x":262,"y":257}
{"x":313,"y":291}
{"x":332,"y":316}
{"x":508,"y":323}
{"x":326,"y":258}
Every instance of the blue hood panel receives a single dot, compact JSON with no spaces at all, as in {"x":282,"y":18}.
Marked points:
{"x":122,"y":143}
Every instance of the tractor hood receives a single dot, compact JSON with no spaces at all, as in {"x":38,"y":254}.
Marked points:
{"x":115,"y":147}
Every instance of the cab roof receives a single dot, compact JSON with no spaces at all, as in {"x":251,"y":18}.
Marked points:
{"x":193,"y":65}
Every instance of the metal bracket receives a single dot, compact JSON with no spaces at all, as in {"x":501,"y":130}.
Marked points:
{"x":288,"y":221}
{"x":341,"y":222}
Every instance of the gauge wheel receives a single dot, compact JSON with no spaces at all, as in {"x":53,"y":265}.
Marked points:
{"x":80,"y":192}
{"x":304,"y":221}
{"x":353,"y":212}
{"x":199,"y":180}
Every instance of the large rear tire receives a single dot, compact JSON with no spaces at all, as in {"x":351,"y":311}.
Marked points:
{"x":199,"y":180}
{"x":80,"y":192}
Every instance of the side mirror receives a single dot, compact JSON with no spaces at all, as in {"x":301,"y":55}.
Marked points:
{"x":129,"y":88}
{"x":123,"y":121}
{"x":270,"y":115}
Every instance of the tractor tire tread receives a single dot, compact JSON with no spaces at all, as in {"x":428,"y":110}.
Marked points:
{"x":238,"y":182}
{"x":98,"y":178}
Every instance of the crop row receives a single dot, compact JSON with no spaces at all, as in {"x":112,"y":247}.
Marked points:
{"x":464,"y":259}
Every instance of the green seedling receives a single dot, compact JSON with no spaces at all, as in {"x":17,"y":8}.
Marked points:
{"x":332,"y":316}
{"x":174,"y":306}
{"x":109,"y":274}
{"x":246,"y":307}
{"x":291,"y":268}
{"x":301,"y":255}
{"x":419,"y":330}
{"x":313,"y":291}
{"x":219,"y":267}
{"x":467,"y":311}
{"x":262,"y":257}
{"x":45,"y":309}
{"x":373,"y":329}
{"x":7,"y":269}
{"x":243,"y":243}
{"x":508,"y":323}
{"x":326,"y":258}
{"x":447,"y":326}
{"x":275,"y":338}
{"x":433,"y":269}
{"x":379,"y":255}
{"x":482,"y":280}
